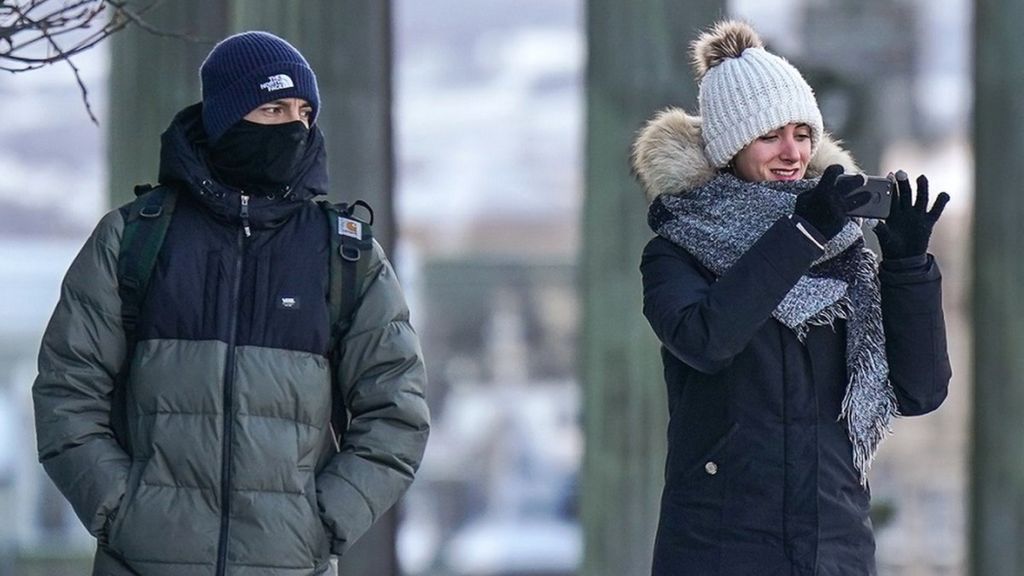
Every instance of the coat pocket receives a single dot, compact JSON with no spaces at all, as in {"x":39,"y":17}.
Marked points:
{"x":320,"y":534}
{"x":699,"y":487}
{"x":690,"y":527}
{"x":714,"y":458}
{"x":134,"y":479}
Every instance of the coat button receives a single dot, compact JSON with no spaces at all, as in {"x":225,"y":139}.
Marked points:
{"x":711,"y":468}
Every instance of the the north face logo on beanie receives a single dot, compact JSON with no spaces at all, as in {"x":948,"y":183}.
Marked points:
{"x":277,"y":82}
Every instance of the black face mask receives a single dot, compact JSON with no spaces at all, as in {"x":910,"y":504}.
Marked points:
{"x":259,"y":158}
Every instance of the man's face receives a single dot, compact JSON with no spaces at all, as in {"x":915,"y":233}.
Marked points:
{"x":282,"y":111}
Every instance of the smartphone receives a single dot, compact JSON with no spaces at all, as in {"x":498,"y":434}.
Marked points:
{"x":881,"y":190}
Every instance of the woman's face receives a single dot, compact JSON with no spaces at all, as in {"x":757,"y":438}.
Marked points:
{"x":781,"y":154}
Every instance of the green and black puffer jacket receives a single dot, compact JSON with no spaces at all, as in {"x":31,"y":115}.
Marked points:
{"x":231,"y":468}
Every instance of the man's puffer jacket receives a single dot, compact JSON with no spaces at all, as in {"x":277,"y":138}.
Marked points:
{"x":231,"y":467}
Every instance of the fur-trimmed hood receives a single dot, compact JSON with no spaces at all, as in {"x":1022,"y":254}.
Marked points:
{"x":668,"y":155}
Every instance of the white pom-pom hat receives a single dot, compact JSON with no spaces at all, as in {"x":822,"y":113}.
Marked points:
{"x":746,"y":92}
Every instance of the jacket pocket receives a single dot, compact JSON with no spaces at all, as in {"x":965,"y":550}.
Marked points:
{"x":121,"y":512}
{"x":714,"y":458}
{"x":320,"y":536}
{"x":689,"y":530}
{"x":701,"y":485}
{"x":106,"y":562}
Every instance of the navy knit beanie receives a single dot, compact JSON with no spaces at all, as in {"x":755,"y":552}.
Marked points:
{"x":248,"y":70}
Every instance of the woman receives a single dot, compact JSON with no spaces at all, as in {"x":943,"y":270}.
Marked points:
{"x":787,"y":349}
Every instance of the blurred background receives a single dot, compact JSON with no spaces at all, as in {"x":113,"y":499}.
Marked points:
{"x":493,"y":138}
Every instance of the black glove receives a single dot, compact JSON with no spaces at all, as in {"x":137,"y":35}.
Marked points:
{"x":825,"y":206}
{"x":906,"y":231}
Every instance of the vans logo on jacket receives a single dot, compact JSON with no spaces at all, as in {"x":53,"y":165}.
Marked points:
{"x":289,"y":303}
{"x":277,"y":82}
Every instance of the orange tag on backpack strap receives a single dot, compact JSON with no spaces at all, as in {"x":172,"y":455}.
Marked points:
{"x":350,"y":228}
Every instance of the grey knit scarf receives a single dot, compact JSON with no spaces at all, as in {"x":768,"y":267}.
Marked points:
{"x":718,"y":222}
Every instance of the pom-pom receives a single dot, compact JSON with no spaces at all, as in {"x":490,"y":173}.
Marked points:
{"x":728,"y":39}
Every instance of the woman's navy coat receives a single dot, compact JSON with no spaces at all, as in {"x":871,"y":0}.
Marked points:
{"x":760,"y":476}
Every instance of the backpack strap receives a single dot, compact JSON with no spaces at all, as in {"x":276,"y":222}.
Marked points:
{"x":145,"y":227}
{"x":351,"y":247}
{"x":144,"y":230}
{"x":351,"y":244}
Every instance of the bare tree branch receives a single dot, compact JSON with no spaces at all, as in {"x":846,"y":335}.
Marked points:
{"x":37,"y":33}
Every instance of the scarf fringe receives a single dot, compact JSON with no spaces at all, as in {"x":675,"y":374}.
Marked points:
{"x":870,"y":401}
{"x":841,"y":309}
{"x":865,"y":445}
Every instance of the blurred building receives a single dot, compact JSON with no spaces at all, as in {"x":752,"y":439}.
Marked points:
{"x":489,"y":108}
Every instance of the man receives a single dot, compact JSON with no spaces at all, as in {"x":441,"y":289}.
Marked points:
{"x":228,"y":463}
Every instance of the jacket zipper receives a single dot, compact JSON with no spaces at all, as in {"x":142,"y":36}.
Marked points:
{"x":229,"y":378}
